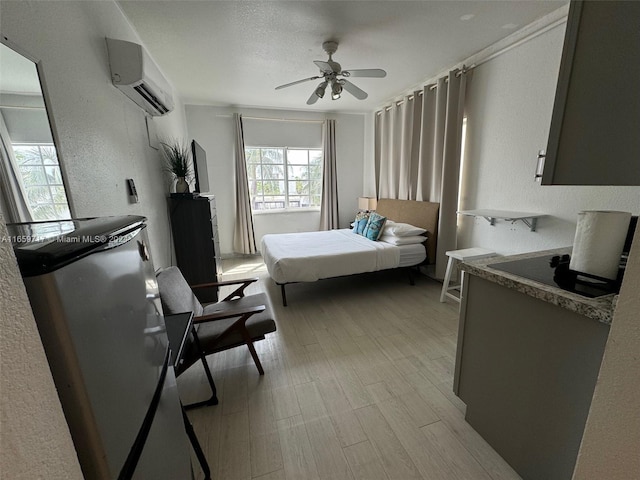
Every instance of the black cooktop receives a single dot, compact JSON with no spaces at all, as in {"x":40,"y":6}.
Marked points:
{"x":554,"y":270}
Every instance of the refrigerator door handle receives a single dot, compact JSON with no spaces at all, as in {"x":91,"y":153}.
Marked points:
{"x":129,"y":467}
{"x":143,"y":250}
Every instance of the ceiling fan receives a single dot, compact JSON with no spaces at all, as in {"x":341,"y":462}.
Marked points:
{"x":329,"y":73}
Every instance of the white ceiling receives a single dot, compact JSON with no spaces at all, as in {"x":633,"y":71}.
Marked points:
{"x":237,"y":52}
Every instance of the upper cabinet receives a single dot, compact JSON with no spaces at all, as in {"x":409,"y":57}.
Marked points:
{"x":595,"y":128}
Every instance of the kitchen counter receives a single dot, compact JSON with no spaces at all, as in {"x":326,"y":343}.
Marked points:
{"x":527,"y":362}
{"x":600,"y":308}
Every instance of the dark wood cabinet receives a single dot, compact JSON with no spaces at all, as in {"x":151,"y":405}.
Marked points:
{"x":195,"y":237}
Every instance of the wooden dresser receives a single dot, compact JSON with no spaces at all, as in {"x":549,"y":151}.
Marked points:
{"x":195,"y":237}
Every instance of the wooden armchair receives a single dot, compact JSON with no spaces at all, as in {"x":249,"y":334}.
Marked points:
{"x":236,"y":320}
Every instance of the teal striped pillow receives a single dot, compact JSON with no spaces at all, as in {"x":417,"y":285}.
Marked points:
{"x":374,"y":227}
{"x":360,"y":222}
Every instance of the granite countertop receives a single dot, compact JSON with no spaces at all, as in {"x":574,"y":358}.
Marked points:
{"x":600,"y":308}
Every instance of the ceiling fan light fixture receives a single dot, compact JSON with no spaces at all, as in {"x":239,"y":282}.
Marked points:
{"x":336,"y":90}
{"x":320,"y":90}
{"x":330,"y":72}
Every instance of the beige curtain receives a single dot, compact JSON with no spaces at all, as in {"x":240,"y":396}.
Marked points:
{"x":451,"y":152}
{"x":329,"y":204}
{"x":244,"y":240}
{"x":398,"y":142}
{"x":417,"y":148}
{"x":14,"y":196}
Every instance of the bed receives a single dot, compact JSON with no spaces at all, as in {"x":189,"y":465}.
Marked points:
{"x":312,"y":256}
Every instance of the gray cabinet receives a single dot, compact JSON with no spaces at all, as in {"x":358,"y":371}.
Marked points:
{"x":594,"y":137}
{"x":527,"y":369}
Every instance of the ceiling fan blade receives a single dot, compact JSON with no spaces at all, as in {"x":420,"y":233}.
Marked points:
{"x":353,"y":90}
{"x":365,"y":72}
{"x":297,"y":82}
{"x":324,"y":67}
{"x":313,"y":98}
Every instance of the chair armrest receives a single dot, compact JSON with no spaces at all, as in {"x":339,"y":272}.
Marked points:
{"x":238,"y":292}
{"x":225,"y":283}
{"x":237,"y":312}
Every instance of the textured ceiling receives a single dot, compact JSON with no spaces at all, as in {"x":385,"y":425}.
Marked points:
{"x":237,"y":52}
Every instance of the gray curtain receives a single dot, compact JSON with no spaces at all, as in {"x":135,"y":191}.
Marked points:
{"x":329,"y":204}
{"x":417,"y":147}
{"x":14,"y":197}
{"x":244,"y":240}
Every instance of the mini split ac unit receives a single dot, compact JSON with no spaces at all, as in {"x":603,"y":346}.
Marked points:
{"x":138,"y":77}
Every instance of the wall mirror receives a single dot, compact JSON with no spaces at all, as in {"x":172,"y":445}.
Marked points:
{"x":33,"y":187}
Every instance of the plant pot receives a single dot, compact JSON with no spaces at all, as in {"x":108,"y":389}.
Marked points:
{"x":181,"y":185}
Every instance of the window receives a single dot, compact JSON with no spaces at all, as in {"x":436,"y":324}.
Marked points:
{"x":42,"y":179}
{"x":284,"y":178}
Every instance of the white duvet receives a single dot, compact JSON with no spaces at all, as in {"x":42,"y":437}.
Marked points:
{"x":311,"y":256}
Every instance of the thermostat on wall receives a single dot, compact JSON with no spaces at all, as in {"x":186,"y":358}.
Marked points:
{"x":133,"y":193}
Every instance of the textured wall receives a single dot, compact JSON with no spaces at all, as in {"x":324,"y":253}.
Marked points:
{"x":102,"y":133}
{"x":509,"y":104}
{"x":34,"y":438}
{"x":103,"y":141}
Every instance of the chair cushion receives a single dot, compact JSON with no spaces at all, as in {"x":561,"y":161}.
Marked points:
{"x":175,"y":294}
{"x":259,"y":324}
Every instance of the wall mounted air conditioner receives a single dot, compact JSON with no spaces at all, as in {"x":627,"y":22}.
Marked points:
{"x":133,"y":72}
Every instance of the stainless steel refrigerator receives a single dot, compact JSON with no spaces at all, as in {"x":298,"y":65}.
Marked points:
{"x":92,"y":288}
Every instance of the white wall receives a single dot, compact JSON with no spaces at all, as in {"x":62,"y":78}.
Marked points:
{"x":509,"y":104}
{"x":34,"y":438}
{"x":102,"y":134}
{"x":212,"y":127}
{"x":102,"y":141}
{"x":612,"y":434}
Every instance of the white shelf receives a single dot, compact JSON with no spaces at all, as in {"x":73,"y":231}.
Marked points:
{"x":529,"y":219}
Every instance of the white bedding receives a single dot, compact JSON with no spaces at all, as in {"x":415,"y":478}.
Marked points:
{"x":311,"y":256}
{"x":412,"y":255}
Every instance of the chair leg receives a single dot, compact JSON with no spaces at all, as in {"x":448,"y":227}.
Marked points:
{"x":447,"y":279}
{"x":196,"y":446}
{"x":213,"y":400}
{"x":252,"y":349}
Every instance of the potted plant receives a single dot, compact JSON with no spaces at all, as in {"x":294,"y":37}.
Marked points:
{"x":177,"y":158}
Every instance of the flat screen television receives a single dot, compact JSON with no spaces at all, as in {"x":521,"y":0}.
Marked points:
{"x":199,"y":157}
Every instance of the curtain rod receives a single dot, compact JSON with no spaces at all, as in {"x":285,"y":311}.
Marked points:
{"x":270,"y":119}
{"x":459,"y":73}
{"x":225,"y":115}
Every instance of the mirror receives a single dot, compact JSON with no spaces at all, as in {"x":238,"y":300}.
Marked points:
{"x":32,"y":181}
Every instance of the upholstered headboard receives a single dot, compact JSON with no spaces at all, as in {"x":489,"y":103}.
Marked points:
{"x":420,"y":214}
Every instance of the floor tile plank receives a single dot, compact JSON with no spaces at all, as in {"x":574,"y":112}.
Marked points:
{"x":364,"y":462}
{"x":395,"y":459}
{"x":357,"y":385}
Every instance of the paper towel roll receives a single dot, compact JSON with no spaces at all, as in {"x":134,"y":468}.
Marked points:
{"x":598,"y":243}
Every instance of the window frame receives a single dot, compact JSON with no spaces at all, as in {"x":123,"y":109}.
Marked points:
{"x":286,"y":164}
{"x":48,"y":185}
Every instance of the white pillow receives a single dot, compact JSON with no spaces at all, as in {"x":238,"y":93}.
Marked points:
{"x":402,"y":229}
{"x":395,"y":240}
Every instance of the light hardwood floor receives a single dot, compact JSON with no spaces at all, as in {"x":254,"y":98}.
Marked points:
{"x":357,"y":385}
